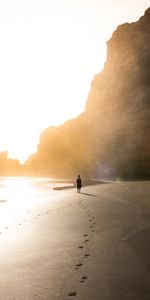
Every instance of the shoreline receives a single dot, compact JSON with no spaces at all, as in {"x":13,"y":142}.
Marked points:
{"x":85,"y":184}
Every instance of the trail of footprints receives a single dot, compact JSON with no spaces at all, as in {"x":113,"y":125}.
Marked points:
{"x":84,"y":249}
{"x":20,"y":222}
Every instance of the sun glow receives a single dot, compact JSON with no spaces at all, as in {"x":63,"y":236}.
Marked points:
{"x":13,"y":193}
{"x":44,"y":82}
{"x":49,"y":54}
{"x":19,"y":195}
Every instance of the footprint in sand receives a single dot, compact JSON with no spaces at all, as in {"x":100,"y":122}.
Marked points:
{"x":79,"y":265}
{"x":72,"y":294}
{"x":80,"y":247}
{"x":86,"y":255}
{"x":85,"y":235}
{"x":83,"y":279}
{"x":86,"y":241}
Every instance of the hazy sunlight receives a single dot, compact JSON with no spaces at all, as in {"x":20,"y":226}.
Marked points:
{"x":49,"y":54}
{"x":19,"y":195}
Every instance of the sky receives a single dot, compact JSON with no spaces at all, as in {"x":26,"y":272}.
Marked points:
{"x":50,"y":51}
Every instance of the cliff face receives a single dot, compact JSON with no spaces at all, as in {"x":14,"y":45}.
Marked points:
{"x":111,"y":137}
{"x":119,"y":100}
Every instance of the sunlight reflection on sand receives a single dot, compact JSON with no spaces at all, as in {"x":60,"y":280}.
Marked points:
{"x":20,"y":194}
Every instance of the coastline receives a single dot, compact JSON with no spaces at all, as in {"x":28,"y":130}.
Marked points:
{"x":86,"y":183}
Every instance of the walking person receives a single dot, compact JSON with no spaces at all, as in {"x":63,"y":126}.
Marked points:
{"x":79,"y":183}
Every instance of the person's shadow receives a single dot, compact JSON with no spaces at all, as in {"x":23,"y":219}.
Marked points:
{"x":88,"y":194}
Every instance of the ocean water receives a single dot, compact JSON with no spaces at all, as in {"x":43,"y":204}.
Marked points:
{"x":19,"y":194}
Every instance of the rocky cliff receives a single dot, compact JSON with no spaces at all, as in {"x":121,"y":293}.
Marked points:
{"x":111,"y":137}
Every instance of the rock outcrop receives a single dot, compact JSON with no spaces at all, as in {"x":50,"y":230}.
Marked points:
{"x":111,"y":137}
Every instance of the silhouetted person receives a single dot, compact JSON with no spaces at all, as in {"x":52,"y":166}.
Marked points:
{"x":79,"y":183}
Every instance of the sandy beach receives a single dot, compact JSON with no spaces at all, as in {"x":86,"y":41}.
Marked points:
{"x":89,"y":246}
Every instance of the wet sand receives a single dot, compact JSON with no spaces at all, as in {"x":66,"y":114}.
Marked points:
{"x":89,"y":246}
